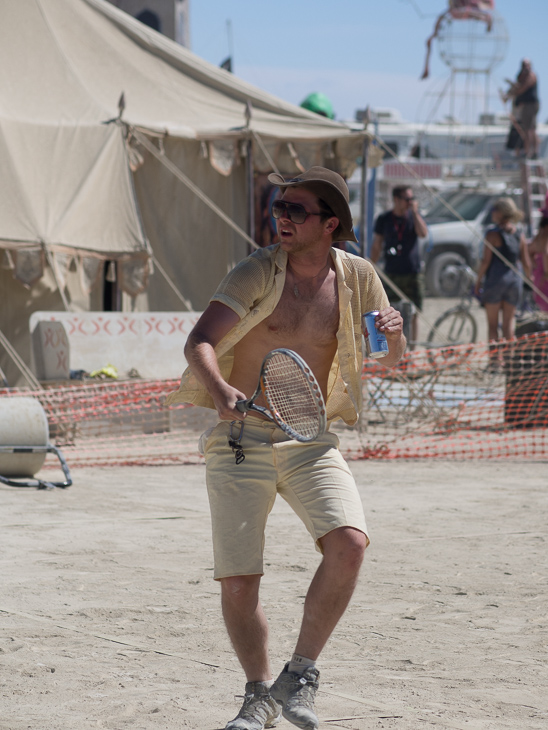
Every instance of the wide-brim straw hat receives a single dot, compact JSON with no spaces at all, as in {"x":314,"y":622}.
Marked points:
{"x":331,"y":188}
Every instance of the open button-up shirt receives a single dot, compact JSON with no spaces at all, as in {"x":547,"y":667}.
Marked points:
{"x":253,"y":289}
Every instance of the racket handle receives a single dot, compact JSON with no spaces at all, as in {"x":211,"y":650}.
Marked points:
{"x":242,"y":406}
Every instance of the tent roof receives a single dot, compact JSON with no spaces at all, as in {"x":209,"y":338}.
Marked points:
{"x":65,"y":180}
{"x":68,"y":61}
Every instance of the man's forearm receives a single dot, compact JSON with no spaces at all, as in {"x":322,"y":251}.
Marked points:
{"x":202,"y":360}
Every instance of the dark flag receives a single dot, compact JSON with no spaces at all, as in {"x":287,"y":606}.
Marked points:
{"x":227,"y":64}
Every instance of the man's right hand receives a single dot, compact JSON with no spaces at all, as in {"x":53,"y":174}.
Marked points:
{"x":225,"y":399}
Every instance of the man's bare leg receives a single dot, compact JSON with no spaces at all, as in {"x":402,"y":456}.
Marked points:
{"x":326,"y":601}
{"x":246,"y":625}
{"x":331,"y":588}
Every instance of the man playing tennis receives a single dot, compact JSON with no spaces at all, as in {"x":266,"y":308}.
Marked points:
{"x":304,"y":295}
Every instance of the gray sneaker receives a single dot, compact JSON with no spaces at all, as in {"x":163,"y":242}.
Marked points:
{"x":296,"y":694}
{"x":258,"y":711}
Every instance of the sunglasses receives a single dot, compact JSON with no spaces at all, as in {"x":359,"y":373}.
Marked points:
{"x":295,"y":212}
{"x":407,"y":200}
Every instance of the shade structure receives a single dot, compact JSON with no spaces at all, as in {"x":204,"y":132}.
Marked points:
{"x":78,"y":80}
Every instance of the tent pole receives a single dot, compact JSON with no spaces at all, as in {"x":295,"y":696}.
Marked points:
{"x":250,"y":176}
{"x":363,"y":200}
{"x":25,"y":371}
{"x":250,"y":194}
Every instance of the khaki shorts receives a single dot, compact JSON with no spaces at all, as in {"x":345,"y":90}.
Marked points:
{"x":313,"y":478}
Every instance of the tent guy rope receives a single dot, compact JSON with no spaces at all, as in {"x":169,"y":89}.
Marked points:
{"x":180,"y":175}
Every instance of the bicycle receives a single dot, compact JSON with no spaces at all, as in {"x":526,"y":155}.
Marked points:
{"x":457,"y":325}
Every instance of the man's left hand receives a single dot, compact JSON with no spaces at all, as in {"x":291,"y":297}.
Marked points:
{"x":390,"y":322}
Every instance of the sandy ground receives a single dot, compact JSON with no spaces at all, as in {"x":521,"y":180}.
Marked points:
{"x":109,"y":617}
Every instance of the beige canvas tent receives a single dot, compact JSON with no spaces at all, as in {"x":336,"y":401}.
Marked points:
{"x":118,"y":145}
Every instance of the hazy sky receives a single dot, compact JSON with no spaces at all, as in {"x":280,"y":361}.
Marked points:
{"x":361,"y":52}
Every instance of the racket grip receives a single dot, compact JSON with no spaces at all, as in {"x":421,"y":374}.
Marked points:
{"x":242,"y":406}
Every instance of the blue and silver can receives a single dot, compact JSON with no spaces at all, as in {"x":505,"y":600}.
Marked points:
{"x":375,"y":341}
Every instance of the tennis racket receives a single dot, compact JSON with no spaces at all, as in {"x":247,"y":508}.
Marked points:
{"x":295,"y":401}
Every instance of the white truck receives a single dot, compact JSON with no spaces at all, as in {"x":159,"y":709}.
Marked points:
{"x":452,"y":241}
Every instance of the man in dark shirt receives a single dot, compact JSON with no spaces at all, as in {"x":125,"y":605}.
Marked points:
{"x":396,"y":233}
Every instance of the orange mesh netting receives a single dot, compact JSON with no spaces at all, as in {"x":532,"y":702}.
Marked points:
{"x":468,"y":401}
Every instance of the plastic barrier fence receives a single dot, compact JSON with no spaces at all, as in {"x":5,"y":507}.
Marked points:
{"x":469,"y":401}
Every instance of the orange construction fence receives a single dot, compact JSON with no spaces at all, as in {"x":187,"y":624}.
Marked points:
{"x":468,"y":401}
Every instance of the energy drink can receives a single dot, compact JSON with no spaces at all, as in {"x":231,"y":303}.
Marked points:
{"x":375,"y":341}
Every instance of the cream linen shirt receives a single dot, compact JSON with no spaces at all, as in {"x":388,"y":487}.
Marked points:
{"x":253,"y":289}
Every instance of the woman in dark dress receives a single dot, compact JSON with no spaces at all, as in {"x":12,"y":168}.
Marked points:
{"x":503,"y":283}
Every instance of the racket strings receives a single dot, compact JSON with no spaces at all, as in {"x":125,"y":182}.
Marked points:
{"x":293,"y":396}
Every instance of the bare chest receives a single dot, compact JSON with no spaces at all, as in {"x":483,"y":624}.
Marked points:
{"x":306,"y":323}
{"x":307,"y":312}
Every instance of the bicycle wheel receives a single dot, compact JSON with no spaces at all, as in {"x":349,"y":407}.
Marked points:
{"x":454,"y":328}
